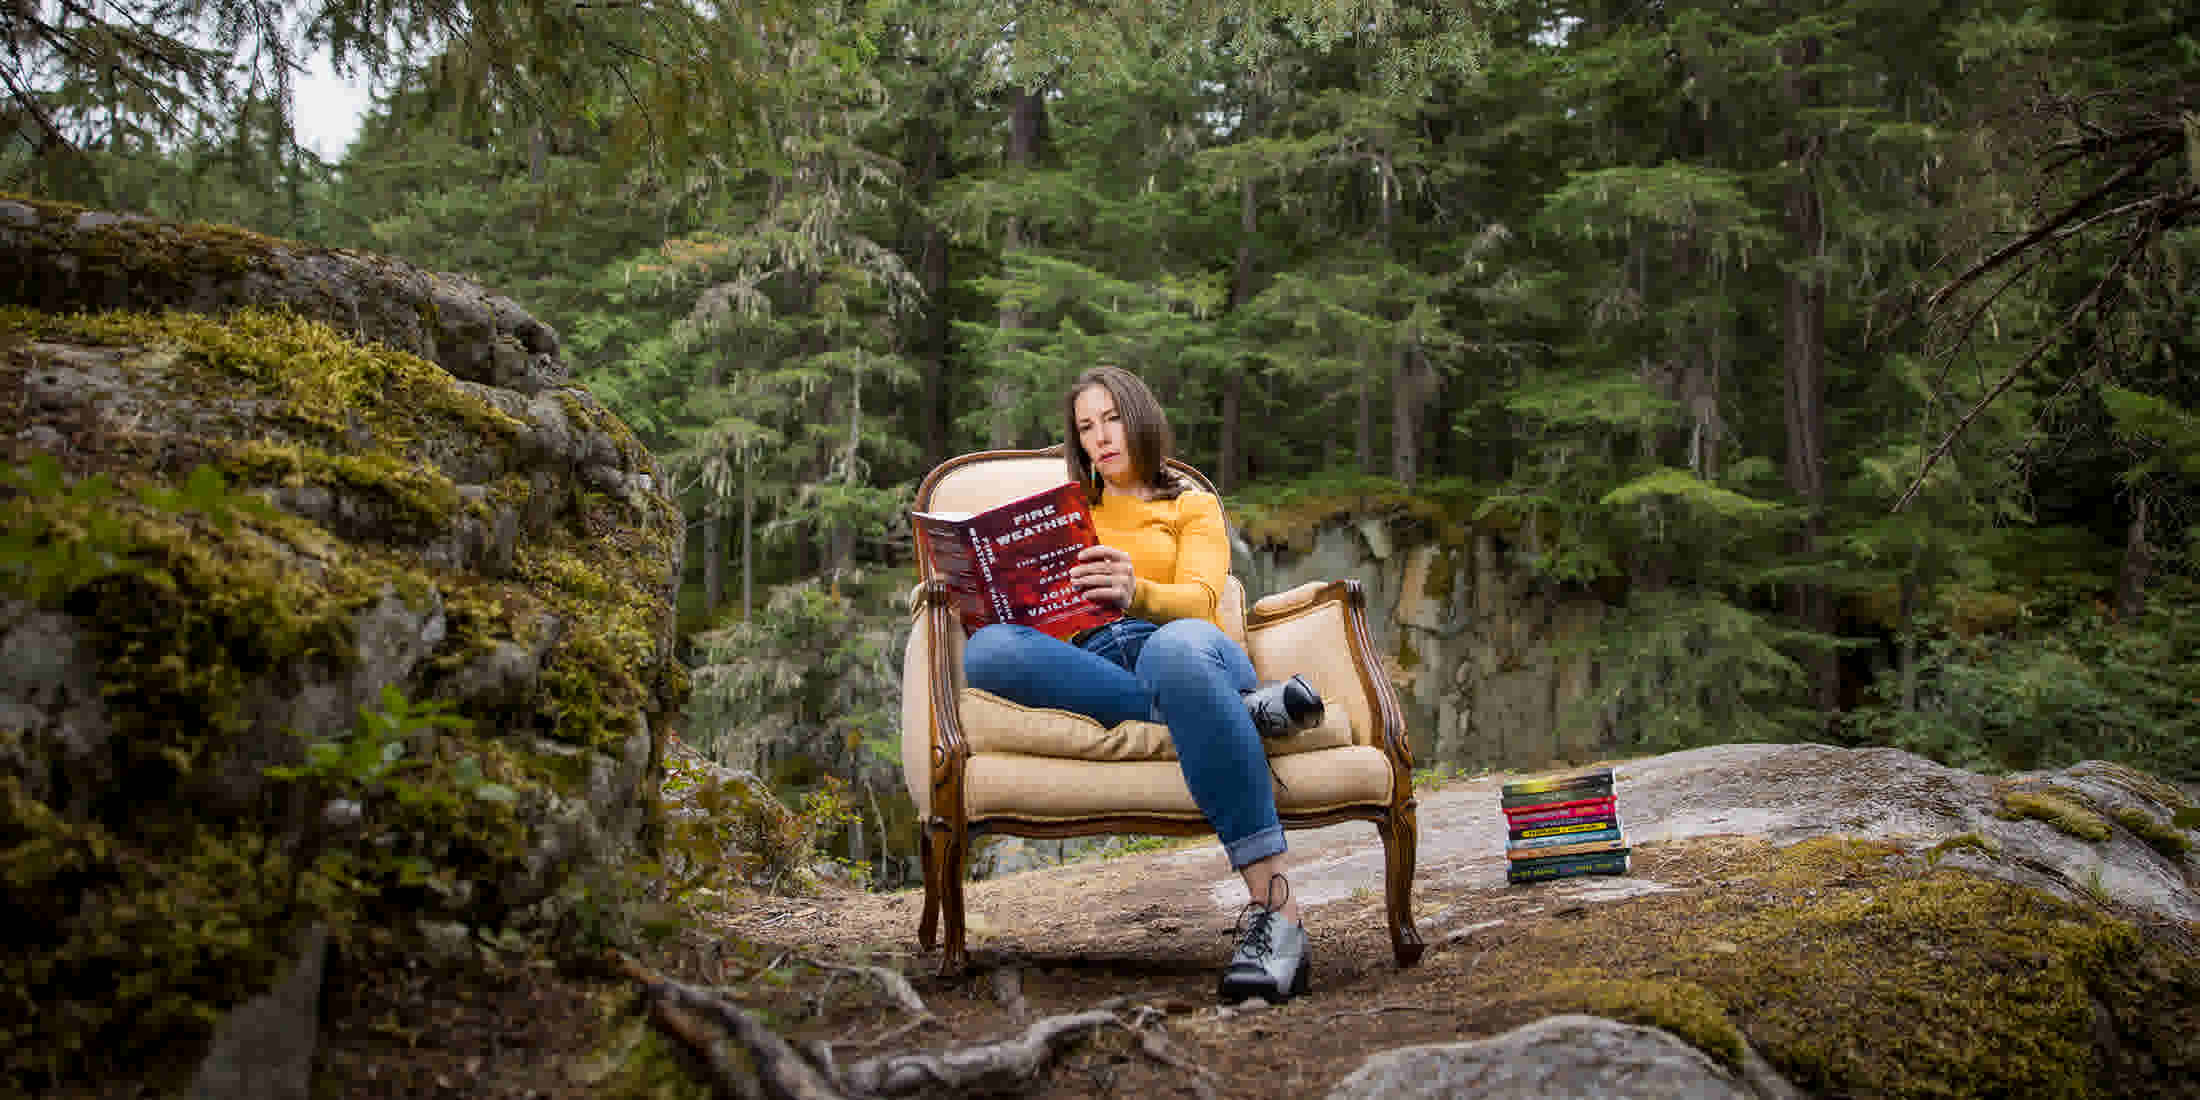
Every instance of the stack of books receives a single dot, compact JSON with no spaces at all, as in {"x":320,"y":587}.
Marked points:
{"x":1563,"y":826}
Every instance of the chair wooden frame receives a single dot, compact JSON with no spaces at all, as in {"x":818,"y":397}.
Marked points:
{"x":949,"y":830}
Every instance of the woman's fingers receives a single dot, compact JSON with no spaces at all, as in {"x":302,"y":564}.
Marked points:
{"x":1105,"y":575}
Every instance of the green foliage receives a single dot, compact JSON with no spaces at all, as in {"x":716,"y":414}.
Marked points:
{"x":1702,"y":501}
{"x":2156,"y":419}
{"x":1679,"y":669}
{"x":414,"y":794}
{"x":725,"y":829}
{"x":372,"y":759}
{"x":805,"y":693}
{"x":2086,"y":689}
{"x":73,"y":538}
{"x":812,"y":657}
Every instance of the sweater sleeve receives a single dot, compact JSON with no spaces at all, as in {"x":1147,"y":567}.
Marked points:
{"x":1202,"y":565}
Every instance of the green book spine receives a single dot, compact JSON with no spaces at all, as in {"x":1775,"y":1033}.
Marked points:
{"x":1543,"y":870}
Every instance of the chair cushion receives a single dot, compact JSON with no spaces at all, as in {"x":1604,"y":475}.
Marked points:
{"x":993,"y":724}
{"x":1038,"y":788}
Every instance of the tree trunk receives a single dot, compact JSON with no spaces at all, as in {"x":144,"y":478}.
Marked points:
{"x":1364,"y":426}
{"x":1027,"y":126}
{"x":1405,"y":366}
{"x":748,"y":536}
{"x":714,"y":573}
{"x":1230,"y":463}
{"x":840,"y":547}
{"x":931,"y":247}
{"x":2138,"y":568}
{"x":1803,"y":361}
{"x":1407,"y":391}
{"x":937,"y":365}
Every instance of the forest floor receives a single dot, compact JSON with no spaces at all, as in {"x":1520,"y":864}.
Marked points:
{"x":1154,"y":928}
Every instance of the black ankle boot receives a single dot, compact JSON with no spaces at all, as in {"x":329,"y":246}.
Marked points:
{"x":1282,"y":708}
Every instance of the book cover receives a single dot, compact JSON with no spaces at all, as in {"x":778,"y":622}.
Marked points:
{"x":1563,"y":797}
{"x":1010,"y":563}
{"x":1613,"y":843}
{"x":1565,"y":828}
{"x":1595,"y":807}
{"x":1543,"y":870}
{"x":1601,"y":776}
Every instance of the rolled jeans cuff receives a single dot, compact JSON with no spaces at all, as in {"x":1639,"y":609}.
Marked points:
{"x":1248,"y":850}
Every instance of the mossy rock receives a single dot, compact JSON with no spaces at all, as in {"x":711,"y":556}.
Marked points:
{"x":2060,"y":807}
{"x":255,"y":527}
{"x":1856,"y":970}
{"x":2161,"y":836}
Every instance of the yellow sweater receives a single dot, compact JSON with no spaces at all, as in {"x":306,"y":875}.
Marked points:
{"x":1178,"y":551}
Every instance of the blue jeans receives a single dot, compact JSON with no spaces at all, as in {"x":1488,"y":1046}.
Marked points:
{"x":1185,"y":674}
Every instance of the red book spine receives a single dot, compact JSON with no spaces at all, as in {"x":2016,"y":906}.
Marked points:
{"x":1585,"y":807}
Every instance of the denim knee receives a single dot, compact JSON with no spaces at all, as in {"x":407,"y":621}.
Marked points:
{"x":993,"y":657}
{"x":1187,"y":640}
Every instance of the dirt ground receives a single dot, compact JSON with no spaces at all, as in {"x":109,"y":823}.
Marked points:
{"x":1073,"y":937}
{"x":1698,"y":938}
{"x":1148,"y":926}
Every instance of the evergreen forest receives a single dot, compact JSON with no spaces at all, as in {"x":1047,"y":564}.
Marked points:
{"x":1840,"y":347}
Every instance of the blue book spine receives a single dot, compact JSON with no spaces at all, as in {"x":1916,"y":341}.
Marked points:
{"x":1612,"y":833}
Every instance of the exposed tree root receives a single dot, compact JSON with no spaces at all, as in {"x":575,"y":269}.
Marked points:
{"x":744,"y":1059}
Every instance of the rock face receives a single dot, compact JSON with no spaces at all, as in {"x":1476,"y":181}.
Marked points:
{"x":2086,"y":832}
{"x":1473,"y":641}
{"x":1557,"y":1056}
{"x":328,"y":603}
{"x":67,"y":258}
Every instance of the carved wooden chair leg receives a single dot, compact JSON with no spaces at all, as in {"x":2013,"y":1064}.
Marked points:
{"x":928,"y":858}
{"x":952,"y":866}
{"x":1399,"y":841}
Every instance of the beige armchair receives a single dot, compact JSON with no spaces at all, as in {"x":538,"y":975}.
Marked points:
{"x":976,"y":763}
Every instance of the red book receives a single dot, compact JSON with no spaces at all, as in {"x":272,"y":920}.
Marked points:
{"x":1010,"y":563}
{"x":1592,"y":807}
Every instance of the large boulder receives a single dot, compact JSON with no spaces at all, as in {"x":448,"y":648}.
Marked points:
{"x":327,"y":603}
{"x":1564,"y":1055}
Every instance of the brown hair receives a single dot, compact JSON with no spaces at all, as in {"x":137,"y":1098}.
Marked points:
{"x":1145,"y":432}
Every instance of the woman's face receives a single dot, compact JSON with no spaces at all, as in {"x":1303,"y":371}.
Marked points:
{"x":1100,"y":433}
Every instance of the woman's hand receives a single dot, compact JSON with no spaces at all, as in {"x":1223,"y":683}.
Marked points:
{"x":1103,"y":575}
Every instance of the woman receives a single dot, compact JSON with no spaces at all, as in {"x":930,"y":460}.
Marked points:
{"x":1163,"y":560}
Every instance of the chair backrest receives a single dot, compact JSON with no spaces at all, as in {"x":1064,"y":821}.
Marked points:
{"x":977,"y":481}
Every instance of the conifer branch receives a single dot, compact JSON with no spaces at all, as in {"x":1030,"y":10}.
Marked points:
{"x":2092,"y":300}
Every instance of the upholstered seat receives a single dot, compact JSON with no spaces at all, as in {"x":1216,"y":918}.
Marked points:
{"x":977,"y":763}
{"x":993,"y":724}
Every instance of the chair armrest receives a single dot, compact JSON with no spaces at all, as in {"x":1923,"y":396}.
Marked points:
{"x":1278,"y":604}
{"x":1320,"y":630}
{"x":932,"y":743}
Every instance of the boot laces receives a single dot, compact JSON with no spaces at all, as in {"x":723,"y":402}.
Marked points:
{"x":1257,"y":922}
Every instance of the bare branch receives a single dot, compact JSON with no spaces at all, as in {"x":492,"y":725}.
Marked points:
{"x":2046,"y":229}
{"x":2088,"y":304}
